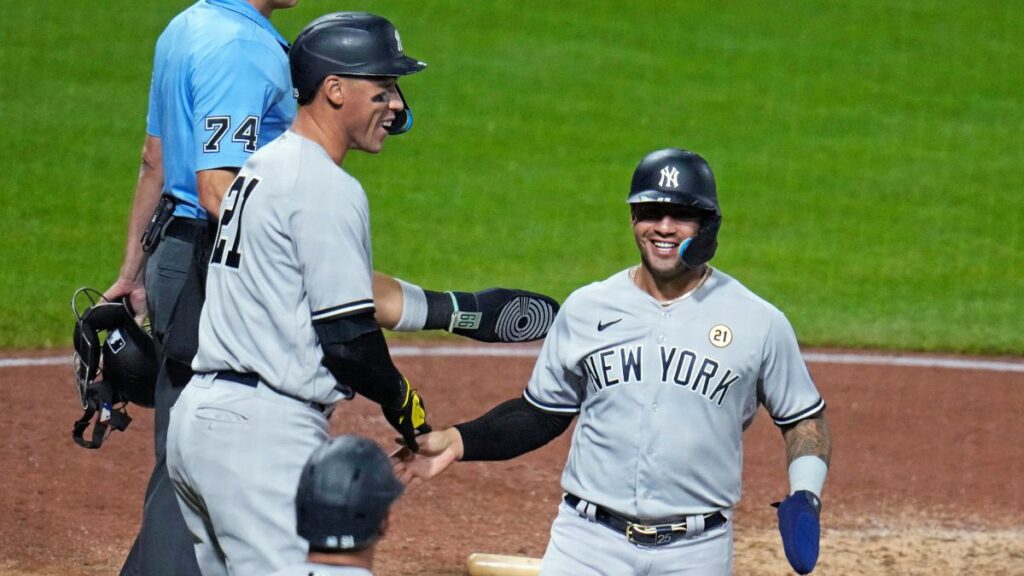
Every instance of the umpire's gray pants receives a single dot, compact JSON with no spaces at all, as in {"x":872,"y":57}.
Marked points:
{"x":164,"y":545}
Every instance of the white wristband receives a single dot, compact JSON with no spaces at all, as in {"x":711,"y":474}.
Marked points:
{"x":807,"y":473}
{"x":414,"y":308}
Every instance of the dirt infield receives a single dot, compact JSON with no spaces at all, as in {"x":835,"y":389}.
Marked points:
{"x":927,"y":476}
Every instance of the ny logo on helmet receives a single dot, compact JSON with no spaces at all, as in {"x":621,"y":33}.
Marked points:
{"x":669,"y":177}
{"x":398,"y":40}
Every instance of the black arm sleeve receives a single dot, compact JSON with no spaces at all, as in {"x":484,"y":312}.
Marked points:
{"x":510,"y":429}
{"x":357,"y":355}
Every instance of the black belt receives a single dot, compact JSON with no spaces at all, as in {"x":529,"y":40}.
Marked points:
{"x":252,"y":380}
{"x":187,"y":229}
{"x":642,"y":534}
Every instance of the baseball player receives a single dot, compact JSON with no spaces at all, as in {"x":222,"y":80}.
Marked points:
{"x":665,"y":363}
{"x":221,"y":89}
{"x":288,"y":328}
{"x":342,"y":507}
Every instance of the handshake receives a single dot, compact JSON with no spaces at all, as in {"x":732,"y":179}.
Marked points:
{"x":424,"y":454}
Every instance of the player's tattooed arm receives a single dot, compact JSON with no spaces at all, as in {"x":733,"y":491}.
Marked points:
{"x":809,"y":452}
{"x":809,"y":437}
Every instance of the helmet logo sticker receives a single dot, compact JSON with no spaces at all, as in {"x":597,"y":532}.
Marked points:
{"x":669,"y":177}
{"x":116,"y":341}
{"x":398,"y":40}
{"x":720,"y":336}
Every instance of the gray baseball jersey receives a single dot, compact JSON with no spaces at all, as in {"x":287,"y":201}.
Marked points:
{"x":293,"y":247}
{"x":665,"y":392}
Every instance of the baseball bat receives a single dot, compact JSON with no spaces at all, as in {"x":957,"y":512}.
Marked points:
{"x":480,"y":564}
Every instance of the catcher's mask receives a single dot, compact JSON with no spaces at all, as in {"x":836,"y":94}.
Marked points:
{"x":115,"y":363}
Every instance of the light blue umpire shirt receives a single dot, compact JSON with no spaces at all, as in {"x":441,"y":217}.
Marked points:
{"x":221,"y":89}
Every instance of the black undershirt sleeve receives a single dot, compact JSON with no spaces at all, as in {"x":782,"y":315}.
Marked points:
{"x":356,"y":354}
{"x":510,"y":429}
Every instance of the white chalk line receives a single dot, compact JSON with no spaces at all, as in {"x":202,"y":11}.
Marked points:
{"x":532,"y":351}
{"x":913,"y":361}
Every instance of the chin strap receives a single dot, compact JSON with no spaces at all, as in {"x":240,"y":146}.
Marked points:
{"x":99,"y":398}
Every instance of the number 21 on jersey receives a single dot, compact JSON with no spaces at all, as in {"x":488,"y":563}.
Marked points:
{"x":229,"y":233}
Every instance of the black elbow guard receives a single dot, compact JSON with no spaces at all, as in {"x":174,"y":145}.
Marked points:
{"x":492,"y":315}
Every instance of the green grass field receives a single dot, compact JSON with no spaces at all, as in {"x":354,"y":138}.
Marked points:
{"x":869,"y":155}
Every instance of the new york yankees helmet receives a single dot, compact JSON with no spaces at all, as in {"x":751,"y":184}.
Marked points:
{"x":681,"y":177}
{"x":350,"y":44}
{"x":344,"y":494}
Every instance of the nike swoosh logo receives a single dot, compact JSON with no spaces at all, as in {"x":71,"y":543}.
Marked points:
{"x":601,"y":326}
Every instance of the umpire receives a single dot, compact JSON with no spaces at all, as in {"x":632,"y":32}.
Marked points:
{"x":220,"y":88}
{"x":342,"y":507}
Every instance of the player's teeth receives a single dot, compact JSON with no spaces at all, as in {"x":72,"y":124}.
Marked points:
{"x":664,"y":244}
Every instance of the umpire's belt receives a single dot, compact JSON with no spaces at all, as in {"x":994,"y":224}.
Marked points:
{"x":187,"y":229}
{"x":252,"y":380}
{"x":642,"y":534}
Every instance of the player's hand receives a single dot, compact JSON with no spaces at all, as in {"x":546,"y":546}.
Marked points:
{"x":136,"y":294}
{"x":503,"y":315}
{"x":800,"y":528}
{"x":437,"y":451}
{"x":409,"y":419}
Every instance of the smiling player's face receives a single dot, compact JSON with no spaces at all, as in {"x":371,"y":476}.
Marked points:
{"x":370,"y":108}
{"x":659,"y":229}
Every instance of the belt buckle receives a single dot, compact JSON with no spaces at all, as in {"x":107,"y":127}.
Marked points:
{"x":656,"y":535}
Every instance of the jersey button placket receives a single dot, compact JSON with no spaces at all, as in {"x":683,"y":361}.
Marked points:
{"x":646,"y":462}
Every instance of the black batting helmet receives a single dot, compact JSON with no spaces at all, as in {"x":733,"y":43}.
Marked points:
{"x":344,"y":494}
{"x":677,"y":176}
{"x":350,"y":44}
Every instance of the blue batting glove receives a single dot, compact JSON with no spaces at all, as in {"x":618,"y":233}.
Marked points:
{"x":800,"y":529}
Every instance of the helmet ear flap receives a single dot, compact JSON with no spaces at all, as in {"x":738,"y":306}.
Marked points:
{"x":702,"y":248}
{"x":403,"y":120}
